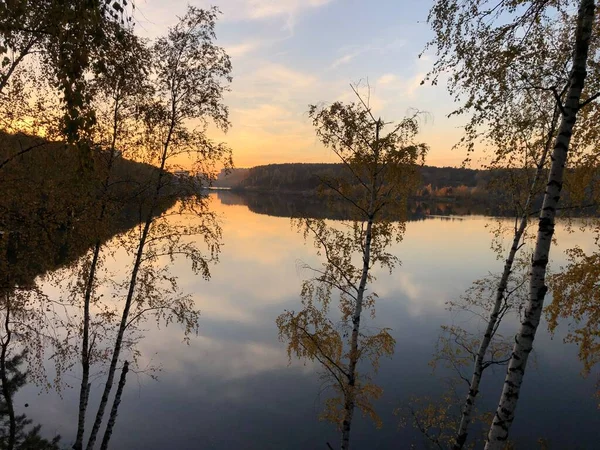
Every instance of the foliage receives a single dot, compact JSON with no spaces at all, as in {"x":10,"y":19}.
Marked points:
{"x":130,"y":112}
{"x":519,"y":70}
{"x":184,"y":86}
{"x":297,"y":177}
{"x":379,"y":173}
{"x":69,"y":38}
{"x":457,"y":351}
{"x":27,"y":437}
{"x":437,"y":419}
{"x":576,"y":296}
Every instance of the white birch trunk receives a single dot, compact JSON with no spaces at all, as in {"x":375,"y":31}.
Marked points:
{"x":505,"y":413}
{"x":467,"y":411}
{"x":115,"y":407}
{"x":478,"y":368}
{"x":349,"y":401}
{"x":84,"y":390}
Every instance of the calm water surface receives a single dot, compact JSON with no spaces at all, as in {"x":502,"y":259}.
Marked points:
{"x":233,"y":387}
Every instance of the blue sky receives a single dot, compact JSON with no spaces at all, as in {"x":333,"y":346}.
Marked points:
{"x":290,"y":53}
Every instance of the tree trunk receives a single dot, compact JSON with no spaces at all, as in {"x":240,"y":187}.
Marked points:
{"x":490,"y":331}
{"x":115,"y":407}
{"x":6,"y":391}
{"x":349,"y":400}
{"x":132,"y":284}
{"x":84,"y":391}
{"x":119,"y":341}
{"x":505,"y":413}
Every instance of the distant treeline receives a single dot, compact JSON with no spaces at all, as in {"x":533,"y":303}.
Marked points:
{"x":483,"y":190}
{"x":317,"y":207}
{"x":306,"y":178}
{"x":299,"y":177}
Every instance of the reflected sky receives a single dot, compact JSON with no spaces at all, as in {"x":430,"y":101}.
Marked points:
{"x":233,"y":387}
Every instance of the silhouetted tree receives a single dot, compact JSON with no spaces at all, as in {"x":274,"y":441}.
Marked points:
{"x":189,"y":75}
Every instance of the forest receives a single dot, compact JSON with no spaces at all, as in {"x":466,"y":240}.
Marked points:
{"x":132,"y":250}
{"x":307,"y":177}
{"x":479,"y":190}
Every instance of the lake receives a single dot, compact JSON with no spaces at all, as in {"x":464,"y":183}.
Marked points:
{"x":234,"y":387}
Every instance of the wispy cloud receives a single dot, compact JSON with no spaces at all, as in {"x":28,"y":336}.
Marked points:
{"x":386,"y":79}
{"x":382,"y":47}
{"x":345,"y":59}
{"x":155,"y":15}
{"x":277,"y":72}
{"x":242,"y":49}
{"x":279,"y":75}
{"x":259,"y":9}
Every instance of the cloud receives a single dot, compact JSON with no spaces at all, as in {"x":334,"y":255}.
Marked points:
{"x":386,"y":79}
{"x":237,"y":50}
{"x":282,"y":75}
{"x":409,"y":286}
{"x":260,"y":9}
{"x":273,"y":83}
{"x":155,"y":15}
{"x":344,"y":60}
{"x":288,"y":9}
{"x":380,"y":46}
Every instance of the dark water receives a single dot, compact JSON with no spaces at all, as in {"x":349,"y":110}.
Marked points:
{"x":233,"y":386}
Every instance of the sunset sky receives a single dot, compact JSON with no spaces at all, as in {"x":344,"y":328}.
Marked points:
{"x":289,"y":53}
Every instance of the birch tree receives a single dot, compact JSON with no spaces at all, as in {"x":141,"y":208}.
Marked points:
{"x":538,"y":288}
{"x":518,"y":144}
{"x":380,"y":172}
{"x":190,"y":74}
{"x":493,"y":51}
{"x":119,"y":92}
{"x":534,"y":138}
{"x":69,"y":39}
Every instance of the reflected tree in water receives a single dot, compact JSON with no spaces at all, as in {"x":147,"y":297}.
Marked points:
{"x":21,"y":334}
{"x":16,"y":430}
{"x":521,"y":143}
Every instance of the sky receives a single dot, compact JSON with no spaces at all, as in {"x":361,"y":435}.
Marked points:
{"x":287,"y":54}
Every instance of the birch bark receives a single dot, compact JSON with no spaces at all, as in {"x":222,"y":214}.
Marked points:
{"x":505,"y":413}
{"x":492,"y":324}
{"x":115,"y":408}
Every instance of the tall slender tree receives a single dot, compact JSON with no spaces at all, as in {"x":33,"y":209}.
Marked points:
{"x":190,"y":74}
{"x":524,"y":339}
{"x":121,"y":88}
{"x":380,"y":171}
{"x":535,"y":138}
{"x":493,"y":53}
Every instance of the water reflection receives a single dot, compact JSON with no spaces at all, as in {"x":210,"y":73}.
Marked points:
{"x":232,"y":386}
{"x":313,"y":206}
